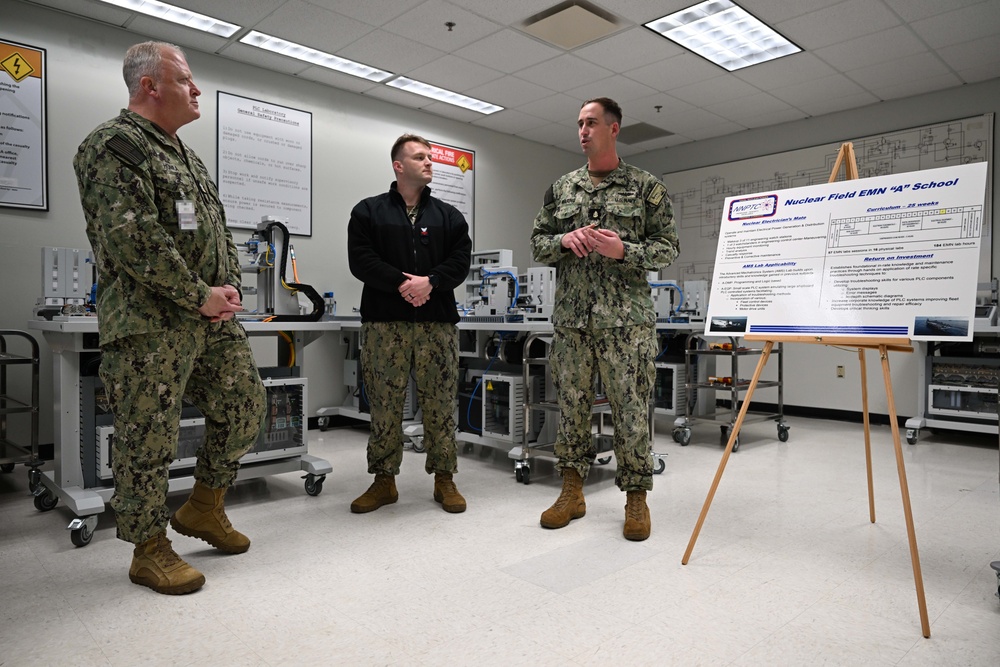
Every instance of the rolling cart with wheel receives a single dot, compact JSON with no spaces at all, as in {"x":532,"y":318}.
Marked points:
{"x":697,"y":345}
{"x":537,"y":402}
{"x":14,"y":452}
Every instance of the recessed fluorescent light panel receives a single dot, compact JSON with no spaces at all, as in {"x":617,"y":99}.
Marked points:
{"x":313,"y":56}
{"x":724,"y":33}
{"x":442,"y":95}
{"x":179,"y":15}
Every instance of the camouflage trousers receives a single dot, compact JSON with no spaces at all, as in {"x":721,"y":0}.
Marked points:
{"x":145,"y":377}
{"x":623,"y":357}
{"x":389,"y":352}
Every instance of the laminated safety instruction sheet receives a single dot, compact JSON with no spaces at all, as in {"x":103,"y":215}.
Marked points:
{"x":890,"y":256}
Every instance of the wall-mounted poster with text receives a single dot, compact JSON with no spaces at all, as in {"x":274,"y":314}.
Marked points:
{"x":455,"y":180}
{"x":23,"y":151}
{"x":265,"y":163}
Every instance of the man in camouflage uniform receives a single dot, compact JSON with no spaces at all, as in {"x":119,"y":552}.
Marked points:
{"x":411,"y":250}
{"x":603,"y":227}
{"x":168,"y":288}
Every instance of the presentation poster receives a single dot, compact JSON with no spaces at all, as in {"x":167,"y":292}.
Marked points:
{"x":455,"y":180}
{"x":891,"y":256}
{"x":23,"y":153}
{"x":265,"y":163}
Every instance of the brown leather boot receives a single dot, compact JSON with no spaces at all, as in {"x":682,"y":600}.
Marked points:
{"x":637,"y":523}
{"x":570,"y":503}
{"x":447,"y":494}
{"x":203,"y":516}
{"x":381,"y":492}
{"x":155,"y":564}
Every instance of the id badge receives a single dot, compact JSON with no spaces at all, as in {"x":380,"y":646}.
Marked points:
{"x":185,"y":215}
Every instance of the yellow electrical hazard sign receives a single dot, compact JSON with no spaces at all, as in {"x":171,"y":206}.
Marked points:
{"x":489,"y":386}
{"x":463,"y":163}
{"x":17,"y":66}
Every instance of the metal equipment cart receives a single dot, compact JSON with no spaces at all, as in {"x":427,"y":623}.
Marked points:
{"x":732,"y":384}
{"x":12,"y":452}
{"x":536,"y":401}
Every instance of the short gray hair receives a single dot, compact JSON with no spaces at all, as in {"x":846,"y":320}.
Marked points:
{"x":144,"y":60}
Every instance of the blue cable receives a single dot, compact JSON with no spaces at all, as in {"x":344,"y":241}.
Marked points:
{"x":472,"y":396}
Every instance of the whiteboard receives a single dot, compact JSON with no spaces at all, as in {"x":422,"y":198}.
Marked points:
{"x":699,"y":194}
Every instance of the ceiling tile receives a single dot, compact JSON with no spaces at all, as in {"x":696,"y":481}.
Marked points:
{"x":399,"y":97}
{"x":636,"y":47}
{"x":886,"y":45}
{"x":797,"y":68}
{"x":773,"y":11}
{"x":900,"y":70}
{"x":546,"y":134}
{"x":687,"y":122}
{"x":980,"y":72}
{"x":619,"y":88}
{"x":313,"y":26}
{"x":508,"y":51}
{"x":773,"y":118}
{"x":557,"y":108}
{"x":645,"y":109}
{"x":94,"y":10}
{"x":509,"y":91}
{"x":244,"y":13}
{"x":715,"y":130}
{"x":173,"y":33}
{"x":675,"y":72}
{"x":960,"y":25}
{"x":506,"y":12}
{"x":453,"y":73}
{"x":372,"y":12}
{"x":510,"y":121}
{"x":389,"y":52}
{"x":975,"y":53}
{"x":426,"y":24}
{"x":919,"y":86}
{"x":261,"y":58}
{"x":453,"y":112}
{"x":563,"y":73}
{"x":643,"y":11}
{"x":802,"y":93}
{"x":748,"y":107}
{"x":818,"y":106}
{"x":914,"y":10}
{"x":337,"y":79}
{"x":837,"y":23}
{"x":719,"y":89}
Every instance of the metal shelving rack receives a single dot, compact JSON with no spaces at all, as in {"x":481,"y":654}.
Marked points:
{"x":726,"y":420}
{"x":11,"y":452}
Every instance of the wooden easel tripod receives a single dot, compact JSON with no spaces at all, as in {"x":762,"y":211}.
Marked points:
{"x":884,"y":346}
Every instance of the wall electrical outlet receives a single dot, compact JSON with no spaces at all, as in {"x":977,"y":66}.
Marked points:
{"x":840,"y":371}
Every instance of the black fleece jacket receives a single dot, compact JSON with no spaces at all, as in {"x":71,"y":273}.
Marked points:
{"x":382,"y":244}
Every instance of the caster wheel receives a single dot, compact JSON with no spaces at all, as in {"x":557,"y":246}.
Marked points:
{"x":736,"y":444}
{"x":7,"y":467}
{"x":677,"y":434}
{"x":783,"y":434}
{"x":659,"y":466}
{"x":34,"y":479}
{"x":604,"y":461}
{"x":81,"y":537}
{"x":46,"y":501}
{"x":314,"y":484}
{"x":323,"y":423}
{"x":911,"y":436}
{"x":685,"y":437}
{"x":526,"y":475}
{"x":418,"y":445}
{"x":518,"y":475}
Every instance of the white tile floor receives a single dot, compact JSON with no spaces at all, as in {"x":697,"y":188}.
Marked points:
{"x":788,"y":570}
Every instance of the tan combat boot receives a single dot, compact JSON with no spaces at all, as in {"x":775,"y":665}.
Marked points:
{"x":381,"y":492}
{"x":570,"y":503}
{"x":637,"y":524}
{"x":447,"y":494}
{"x":155,"y":564}
{"x":203,"y":516}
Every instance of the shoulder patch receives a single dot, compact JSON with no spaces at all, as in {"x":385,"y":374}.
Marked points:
{"x":550,"y":198}
{"x":126,"y":150}
{"x":656,"y":195}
